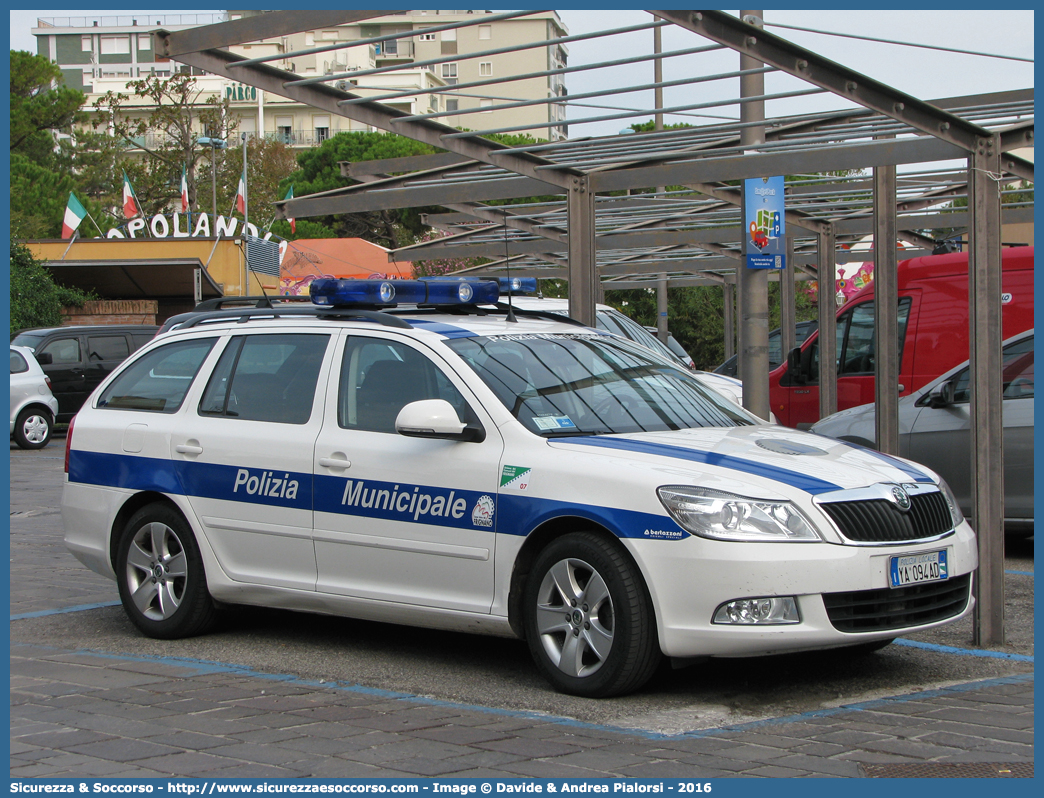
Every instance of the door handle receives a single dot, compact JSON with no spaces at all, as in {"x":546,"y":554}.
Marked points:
{"x":335,"y":462}
{"x":188,"y":448}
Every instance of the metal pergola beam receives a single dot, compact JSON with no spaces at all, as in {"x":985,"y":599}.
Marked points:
{"x":840,"y":80}
{"x":702,"y":170}
{"x":373,"y":114}
{"x":697,"y":237}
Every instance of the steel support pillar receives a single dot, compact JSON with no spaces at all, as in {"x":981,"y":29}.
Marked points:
{"x":753,"y":283}
{"x":987,"y":433}
{"x":886,"y":312}
{"x":827,"y":327}
{"x":661,"y":308}
{"x":583,"y":275}
{"x":787,"y":314}
{"x":729,"y":299}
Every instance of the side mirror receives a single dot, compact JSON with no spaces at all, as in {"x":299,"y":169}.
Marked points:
{"x":44,"y":359}
{"x":941,"y":395}
{"x":795,"y":366}
{"x":436,"y":418}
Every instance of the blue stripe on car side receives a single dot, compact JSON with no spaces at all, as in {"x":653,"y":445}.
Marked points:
{"x":123,"y":471}
{"x":803,"y":482}
{"x":512,"y":514}
{"x":521,"y":514}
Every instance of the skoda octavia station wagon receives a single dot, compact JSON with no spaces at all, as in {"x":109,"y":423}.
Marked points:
{"x":412,"y":452}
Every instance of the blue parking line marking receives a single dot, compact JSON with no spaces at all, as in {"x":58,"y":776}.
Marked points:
{"x":78,"y":608}
{"x":965,"y":652}
{"x":202,"y":667}
{"x":1020,"y":573}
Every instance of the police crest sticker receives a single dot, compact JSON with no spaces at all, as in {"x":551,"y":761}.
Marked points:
{"x":482,"y":515}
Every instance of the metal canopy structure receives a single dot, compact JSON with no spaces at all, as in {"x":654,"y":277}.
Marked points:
{"x":684,"y":226}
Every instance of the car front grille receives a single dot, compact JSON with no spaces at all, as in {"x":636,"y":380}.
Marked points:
{"x":897,"y":608}
{"x":881,"y":521}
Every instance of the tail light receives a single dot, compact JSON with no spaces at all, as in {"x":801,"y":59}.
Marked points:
{"x":68,"y":442}
{"x":47,"y":382}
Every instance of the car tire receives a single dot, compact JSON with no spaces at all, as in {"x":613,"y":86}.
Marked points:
{"x":588,"y":618}
{"x":160,"y":574}
{"x":33,"y":428}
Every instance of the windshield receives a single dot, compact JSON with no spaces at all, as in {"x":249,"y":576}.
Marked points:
{"x":582,"y":384}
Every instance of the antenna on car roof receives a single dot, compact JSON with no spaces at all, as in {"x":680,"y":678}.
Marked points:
{"x":507,"y":259}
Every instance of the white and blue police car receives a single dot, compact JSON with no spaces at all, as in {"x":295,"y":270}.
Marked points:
{"x":417,"y":453}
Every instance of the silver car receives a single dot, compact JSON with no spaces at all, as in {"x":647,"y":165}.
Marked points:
{"x":933,"y":430}
{"x":33,"y":406}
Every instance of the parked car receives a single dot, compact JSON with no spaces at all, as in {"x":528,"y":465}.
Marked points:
{"x":77,"y":359}
{"x":33,"y":406}
{"x":933,"y":333}
{"x":934,"y":430}
{"x":437,"y":465}
{"x":776,"y":355}
{"x":676,"y":349}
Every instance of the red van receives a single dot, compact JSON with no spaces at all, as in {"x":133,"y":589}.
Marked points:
{"x":933,"y":333}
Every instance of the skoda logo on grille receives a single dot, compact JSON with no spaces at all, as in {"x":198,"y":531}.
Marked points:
{"x":901,"y":497}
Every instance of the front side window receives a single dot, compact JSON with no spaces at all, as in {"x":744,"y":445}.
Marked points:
{"x":266,"y":378}
{"x":64,"y":351}
{"x":581,"y":384}
{"x":855,"y":340}
{"x":379,"y":378}
{"x":158,"y":381}
{"x":1016,"y":374}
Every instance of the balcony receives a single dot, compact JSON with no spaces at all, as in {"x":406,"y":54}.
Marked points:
{"x":144,"y":19}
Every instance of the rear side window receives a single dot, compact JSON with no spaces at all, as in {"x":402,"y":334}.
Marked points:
{"x":63,"y":351}
{"x":266,"y":378}
{"x":158,"y":381}
{"x":107,"y":347}
{"x":18,"y":364}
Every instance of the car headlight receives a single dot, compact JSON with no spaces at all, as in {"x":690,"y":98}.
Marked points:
{"x":951,"y":501}
{"x":725,"y":516}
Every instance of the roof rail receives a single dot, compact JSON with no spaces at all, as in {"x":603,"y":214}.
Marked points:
{"x":244,"y":315}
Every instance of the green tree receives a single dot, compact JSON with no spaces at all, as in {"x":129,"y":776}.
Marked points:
{"x":161,"y":118}
{"x":269,"y":164}
{"x":319,"y":170}
{"x":39,"y":105}
{"x":36,"y":300}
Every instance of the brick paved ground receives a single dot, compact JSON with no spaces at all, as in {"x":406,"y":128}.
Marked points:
{"x":77,"y":713}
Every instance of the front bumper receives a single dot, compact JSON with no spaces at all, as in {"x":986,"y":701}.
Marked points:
{"x":691,"y":578}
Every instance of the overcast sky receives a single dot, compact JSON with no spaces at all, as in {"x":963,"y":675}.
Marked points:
{"x":926,"y":74}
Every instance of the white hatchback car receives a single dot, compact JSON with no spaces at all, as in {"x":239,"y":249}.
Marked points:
{"x":33,"y":406}
{"x":442,"y":465}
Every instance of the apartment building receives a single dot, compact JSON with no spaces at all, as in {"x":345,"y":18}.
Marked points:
{"x":419,"y":70}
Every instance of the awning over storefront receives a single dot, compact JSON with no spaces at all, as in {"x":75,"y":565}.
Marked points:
{"x":160,"y":278}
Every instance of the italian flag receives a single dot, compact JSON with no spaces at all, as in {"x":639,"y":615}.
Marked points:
{"x":293,"y":222}
{"x":74,"y":213}
{"x":241,"y":194}
{"x":184,"y":190}
{"x":131,"y":208}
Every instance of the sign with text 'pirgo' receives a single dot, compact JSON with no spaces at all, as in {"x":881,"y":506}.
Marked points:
{"x":763,"y":219}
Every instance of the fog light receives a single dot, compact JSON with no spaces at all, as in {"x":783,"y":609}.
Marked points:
{"x":761,"y":611}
